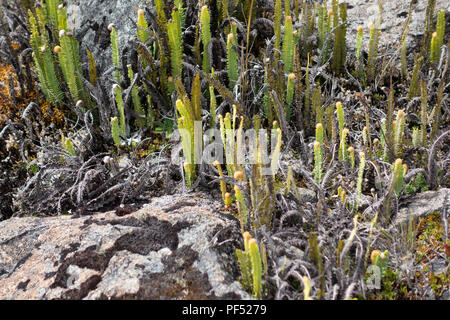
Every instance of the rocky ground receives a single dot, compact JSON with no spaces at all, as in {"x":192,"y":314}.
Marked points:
{"x":179,"y":246}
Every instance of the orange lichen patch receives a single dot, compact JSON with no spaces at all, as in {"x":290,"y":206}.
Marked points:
{"x":13,"y":109}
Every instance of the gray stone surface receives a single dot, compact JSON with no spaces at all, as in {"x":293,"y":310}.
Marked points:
{"x":176,"y":247}
{"x":423,"y":204}
{"x":395,"y":13}
{"x":91,"y":18}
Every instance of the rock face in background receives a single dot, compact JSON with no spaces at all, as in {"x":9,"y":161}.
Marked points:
{"x":177,"y":247}
{"x":91,"y":19}
{"x":395,"y":13}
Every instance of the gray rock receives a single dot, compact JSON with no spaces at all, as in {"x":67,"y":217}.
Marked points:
{"x":395,"y":13}
{"x":91,"y":19}
{"x":423,"y":204}
{"x":176,"y":247}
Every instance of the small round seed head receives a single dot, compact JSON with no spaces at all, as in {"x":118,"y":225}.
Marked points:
{"x":351,"y":149}
{"x":239,"y":175}
{"x":111,"y":26}
{"x":140,"y":12}
{"x":57,"y":49}
{"x":291,"y":76}
{"x":359,"y":29}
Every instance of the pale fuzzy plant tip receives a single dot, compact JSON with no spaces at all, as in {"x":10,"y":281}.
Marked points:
{"x":374,"y":254}
{"x":216,"y":163}
{"x":362,"y":155}
{"x":291,"y":76}
{"x":115,"y":86}
{"x":360,"y":28}
{"x":238,"y":175}
{"x":252,"y":241}
{"x":111,"y":26}
{"x":43,"y":49}
{"x":401,"y":113}
{"x":62,"y":33}
{"x":275,"y":123}
{"x":60,"y":7}
{"x":345,"y":131}
{"x":371,"y":25}
{"x":236,"y":188}
{"x":227,"y":195}
{"x":398,"y":162}
{"x":351,"y":149}
{"x":140,"y":12}
{"x":57,"y":49}
{"x":230,"y":37}
{"x":170,"y":79}
{"x":288,"y":18}
{"x":246,"y":235}
{"x":205,"y":7}
{"x":434,"y":34}
{"x":338,"y":104}
{"x":319,"y":125}
{"x":316,"y":144}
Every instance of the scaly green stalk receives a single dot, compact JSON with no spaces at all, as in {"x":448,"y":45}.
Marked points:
{"x":43,"y":62}
{"x":359,"y":38}
{"x":343,"y":145}
{"x":115,"y":52}
{"x":440,"y":32}
{"x":288,"y":45}
{"x":175,"y":43}
{"x":212,"y":103}
{"x":117,"y":90}
{"x":424,"y":112}
{"x":373,"y":51}
{"x":351,"y":153}
{"x":140,"y":122}
{"x":362,"y":163}
{"x":142,"y":27}
{"x":317,"y":161}
{"x":317,"y":104}
{"x":232,"y":61}
{"x":399,"y":129}
{"x":115,"y":131}
{"x":256,"y":268}
{"x":414,"y":86}
{"x":277,"y":23}
{"x":289,"y":95}
{"x":206,"y":37}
